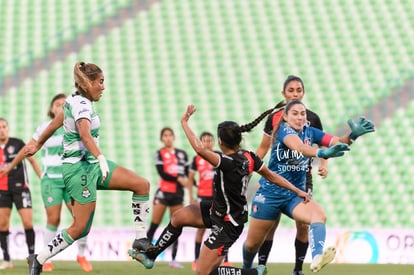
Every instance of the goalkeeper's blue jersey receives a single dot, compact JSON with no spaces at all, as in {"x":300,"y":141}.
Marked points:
{"x":291,"y":164}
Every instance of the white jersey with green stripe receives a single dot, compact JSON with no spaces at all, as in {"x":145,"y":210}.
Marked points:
{"x":78,"y":107}
{"x":52,"y":151}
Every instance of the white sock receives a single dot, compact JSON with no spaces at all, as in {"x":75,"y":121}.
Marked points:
{"x":140,"y":210}
{"x":82,"y":244}
{"x":56,"y":245}
{"x":50,"y":232}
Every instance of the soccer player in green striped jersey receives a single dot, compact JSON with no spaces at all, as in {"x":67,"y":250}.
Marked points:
{"x":86,"y":170}
{"x":52,"y":186}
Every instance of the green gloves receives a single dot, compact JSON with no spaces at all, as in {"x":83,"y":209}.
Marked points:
{"x":334,"y":151}
{"x":362,"y":127}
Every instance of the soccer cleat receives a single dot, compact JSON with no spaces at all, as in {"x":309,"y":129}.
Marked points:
{"x":6,"y":265}
{"x":194,"y":266}
{"x":35,"y":268}
{"x":261,"y":269}
{"x":84,"y":263}
{"x":320,"y":260}
{"x":47,"y":267}
{"x":175,"y":264}
{"x":146,"y":246}
{"x":142,"y":258}
{"x":297,"y":272}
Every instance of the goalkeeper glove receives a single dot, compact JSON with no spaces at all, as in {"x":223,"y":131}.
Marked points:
{"x":362,"y":127}
{"x":337,"y":150}
{"x":104,"y":167}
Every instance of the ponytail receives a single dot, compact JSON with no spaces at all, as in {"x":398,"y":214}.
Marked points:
{"x":84,"y":74}
{"x":230,"y":132}
{"x":249,"y":126}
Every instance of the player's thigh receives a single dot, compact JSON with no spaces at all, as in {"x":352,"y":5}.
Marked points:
{"x":272,"y":231}
{"x":175,"y":208}
{"x":5,"y":213}
{"x":308,"y":213}
{"x":257,"y":232}
{"x":125,"y":179}
{"x":188,"y":216}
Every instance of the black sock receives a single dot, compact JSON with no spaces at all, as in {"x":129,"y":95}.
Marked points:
{"x":30,"y":240}
{"x":4,"y":243}
{"x":226,"y":258}
{"x":168,"y":237}
{"x":300,"y":248}
{"x":233,"y":270}
{"x":264,"y":251}
{"x":151,"y":231}
{"x":174,"y":250}
{"x":197,"y":250}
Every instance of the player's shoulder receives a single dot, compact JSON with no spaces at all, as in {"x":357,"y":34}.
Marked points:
{"x":43,"y":125}
{"x":76,"y":98}
{"x":15,"y":141}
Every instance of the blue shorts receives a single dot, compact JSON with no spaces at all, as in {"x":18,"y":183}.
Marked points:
{"x":268,"y":205}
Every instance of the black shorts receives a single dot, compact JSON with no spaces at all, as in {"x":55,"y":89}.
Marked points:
{"x":205,"y":206}
{"x":200,"y":198}
{"x":222,"y":235}
{"x":20,"y":197}
{"x":169,"y":199}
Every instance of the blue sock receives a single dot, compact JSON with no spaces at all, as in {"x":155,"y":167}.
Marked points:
{"x":248,"y":258}
{"x":317,"y":235}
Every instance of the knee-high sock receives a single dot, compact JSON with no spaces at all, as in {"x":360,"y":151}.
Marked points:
{"x":151,"y":231}
{"x":174,"y":250}
{"x":140,"y":210}
{"x":226,"y":257}
{"x":248,"y":258}
{"x":30,"y":240}
{"x":264,"y":251}
{"x":82,"y":245}
{"x":168,"y":237}
{"x":317,"y":235}
{"x":197,"y":248}
{"x":60,"y":242}
{"x":50,"y":232}
{"x":300,"y":248}
{"x":233,"y":270}
{"x":4,"y":243}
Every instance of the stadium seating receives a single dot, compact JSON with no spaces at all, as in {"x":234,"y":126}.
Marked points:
{"x":230,"y":59}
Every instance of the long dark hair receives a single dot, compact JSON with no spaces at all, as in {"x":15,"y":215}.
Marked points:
{"x":230,"y":132}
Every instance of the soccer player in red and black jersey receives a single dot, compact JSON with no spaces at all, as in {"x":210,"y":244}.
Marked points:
{"x":172,"y":166}
{"x":204,"y":189}
{"x":228,"y":212}
{"x":14,"y":189}
{"x":293,"y":89}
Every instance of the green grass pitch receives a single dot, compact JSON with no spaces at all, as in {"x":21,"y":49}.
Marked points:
{"x":161,"y":268}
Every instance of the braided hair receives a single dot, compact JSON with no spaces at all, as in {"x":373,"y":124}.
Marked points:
{"x":230,"y":132}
